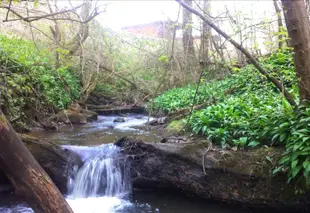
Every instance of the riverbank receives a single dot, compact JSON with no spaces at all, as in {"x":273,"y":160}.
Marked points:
{"x":181,"y":164}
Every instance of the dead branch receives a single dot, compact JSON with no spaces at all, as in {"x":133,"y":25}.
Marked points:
{"x":277,"y":83}
{"x":36,"y":18}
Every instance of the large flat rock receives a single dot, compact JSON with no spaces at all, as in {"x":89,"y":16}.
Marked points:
{"x":241,"y":177}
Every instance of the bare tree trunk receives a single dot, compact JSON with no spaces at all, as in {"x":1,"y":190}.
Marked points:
{"x":56,"y":34}
{"x":26,"y":175}
{"x":83,"y":32}
{"x":280,"y":23}
{"x":188,"y":41}
{"x":74,"y":45}
{"x":275,"y":81}
{"x":298,"y":27}
{"x":308,"y":6}
{"x":218,"y":50}
{"x":205,"y":35}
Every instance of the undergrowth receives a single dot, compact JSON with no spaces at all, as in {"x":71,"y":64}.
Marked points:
{"x":29,"y":79}
{"x":245,"y":110}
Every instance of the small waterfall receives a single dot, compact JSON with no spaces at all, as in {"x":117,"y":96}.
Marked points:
{"x":105,"y":173}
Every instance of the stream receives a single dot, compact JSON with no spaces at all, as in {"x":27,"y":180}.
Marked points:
{"x":103,"y":183}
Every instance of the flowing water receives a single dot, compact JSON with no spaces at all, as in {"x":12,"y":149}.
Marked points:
{"x":103,"y":183}
{"x":104,"y":130}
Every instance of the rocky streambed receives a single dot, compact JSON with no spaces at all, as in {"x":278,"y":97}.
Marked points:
{"x":192,"y":168}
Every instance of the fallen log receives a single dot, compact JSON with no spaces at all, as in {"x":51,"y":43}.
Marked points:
{"x":26,"y":175}
{"x":94,"y":106}
{"x":58,"y":163}
{"x":117,"y":111}
{"x":239,"y":177}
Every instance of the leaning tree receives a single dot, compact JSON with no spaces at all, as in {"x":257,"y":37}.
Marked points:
{"x":26,"y":175}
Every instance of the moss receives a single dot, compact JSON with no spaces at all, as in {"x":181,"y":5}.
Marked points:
{"x":258,"y":162}
{"x":3,"y":123}
{"x":195,"y":147}
{"x":175,"y":126}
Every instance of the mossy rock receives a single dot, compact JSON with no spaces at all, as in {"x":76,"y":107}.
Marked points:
{"x":175,"y":126}
{"x":259,"y":162}
{"x":68,"y":116}
{"x":90,"y":115}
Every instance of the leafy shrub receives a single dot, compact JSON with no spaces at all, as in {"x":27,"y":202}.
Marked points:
{"x":31,"y":77}
{"x":237,"y":120}
{"x":249,"y":111}
{"x":178,"y":98}
{"x":245,"y":80}
{"x":292,"y":130}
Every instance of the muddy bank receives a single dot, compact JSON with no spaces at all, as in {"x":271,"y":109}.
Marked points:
{"x":231,"y":177}
{"x":58,"y":163}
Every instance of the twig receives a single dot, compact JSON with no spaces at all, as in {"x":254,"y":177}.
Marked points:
{"x":203,"y":158}
{"x":166,"y":70}
{"x":36,"y":18}
{"x":7,"y":14}
{"x":256,"y":64}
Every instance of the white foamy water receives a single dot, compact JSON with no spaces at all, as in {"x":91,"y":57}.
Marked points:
{"x":105,"y":173}
{"x":101,"y":185}
{"x":98,"y":204}
{"x":129,"y":126}
{"x":83,"y":205}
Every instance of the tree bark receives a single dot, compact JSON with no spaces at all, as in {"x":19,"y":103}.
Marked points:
{"x":188,"y":42}
{"x":298,"y":27}
{"x":206,"y":35}
{"x":83,"y":32}
{"x":256,"y":64}
{"x":26,"y":175}
{"x":56,"y":35}
{"x":280,"y":23}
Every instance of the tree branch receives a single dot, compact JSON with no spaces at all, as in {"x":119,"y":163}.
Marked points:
{"x":256,"y":64}
{"x":36,"y":18}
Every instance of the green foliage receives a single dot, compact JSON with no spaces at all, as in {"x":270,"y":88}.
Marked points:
{"x":178,"y":98}
{"x":142,"y":61}
{"x":31,"y":78}
{"x":237,"y":120}
{"x":106,"y":89}
{"x":248,"y":111}
{"x":292,"y":130}
{"x":59,"y":86}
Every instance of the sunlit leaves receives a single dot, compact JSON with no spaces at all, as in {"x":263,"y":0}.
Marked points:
{"x":163,"y":58}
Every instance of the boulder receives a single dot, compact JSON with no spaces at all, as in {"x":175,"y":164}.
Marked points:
{"x":139,"y":117}
{"x":49,"y":125}
{"x":69,"y":116}
{"x":162,"y":120}
{"x":239,"y":177}
{"x":158,"y":121}
{"x":75,"y":107}
{"x":90,"y":115}
{"x":120,"y":119}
